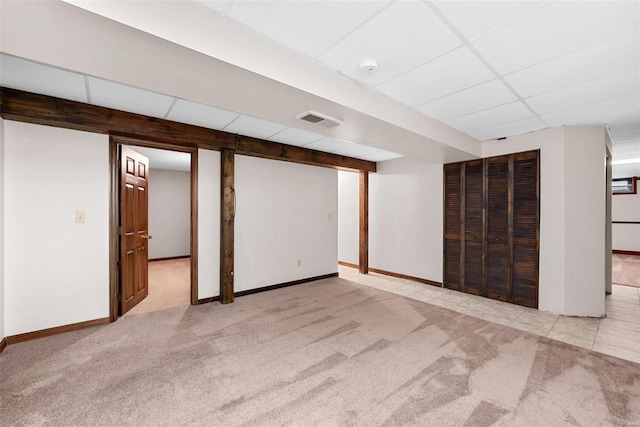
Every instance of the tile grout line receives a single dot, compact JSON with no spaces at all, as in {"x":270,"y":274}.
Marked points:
{"x":595,"y":335}
{"x":552,"y":326}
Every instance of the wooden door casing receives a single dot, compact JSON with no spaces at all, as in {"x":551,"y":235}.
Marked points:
{"x":134,"y":233}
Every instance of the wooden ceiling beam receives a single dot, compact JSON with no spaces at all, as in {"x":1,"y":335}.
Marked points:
{"x":51,"y":111}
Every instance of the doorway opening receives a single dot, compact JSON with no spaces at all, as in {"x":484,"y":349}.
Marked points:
{"x":153,"y":246}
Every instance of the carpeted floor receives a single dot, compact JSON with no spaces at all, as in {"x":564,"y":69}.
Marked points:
{"x":169,"y":286}
{"x":327,"y":353}
{"x":626,"y":270}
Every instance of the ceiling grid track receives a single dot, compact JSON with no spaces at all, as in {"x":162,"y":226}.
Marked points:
{"x":87,"y":88}
{"x":482,"y":59}
{"x":170,"y":108}
{"x":356,"y":28}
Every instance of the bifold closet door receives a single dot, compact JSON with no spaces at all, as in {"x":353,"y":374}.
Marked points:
{"x":526,"y":220}
{"x":452,"y":226}
{"x":498,"y":277}
{"x":492,"y":220}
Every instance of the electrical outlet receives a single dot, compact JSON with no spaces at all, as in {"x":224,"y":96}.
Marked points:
{"x":299,"y":263}
{"x":80,"y":217}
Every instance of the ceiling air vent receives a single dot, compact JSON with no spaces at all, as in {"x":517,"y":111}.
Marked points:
{"x":320,"y":119}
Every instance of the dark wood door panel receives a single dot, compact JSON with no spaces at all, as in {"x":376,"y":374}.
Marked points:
{"x":498,"y":270}
{"x":452,"y":278}
{"x":452,"y":259}
{"x":498,"y":199}
{"x":474,"y":267}
{"x":473,"y":200}
{"x":134,"y":229}
{"x":525,"y":275}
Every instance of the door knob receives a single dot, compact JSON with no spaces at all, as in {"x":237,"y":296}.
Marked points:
{"x":144,"y":236}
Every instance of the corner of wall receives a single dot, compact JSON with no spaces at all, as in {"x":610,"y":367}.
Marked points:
{"x":2,"y":298}
{"x":585,"y":218}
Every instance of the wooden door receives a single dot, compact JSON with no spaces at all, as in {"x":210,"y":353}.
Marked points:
{"x":473,"y":226}
{"x":452,"y":277}
{"x":498,"y":225}
{"x":526,"y":219}
{"x":134,"y":233}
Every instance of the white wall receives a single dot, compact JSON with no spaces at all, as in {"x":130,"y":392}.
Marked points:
{"x":348,"y":217}
{"x":585,"y":220}
{"x":208,"y":223}
{"x":2,"y":334}
{"x":552,"y":217}
{"x":282,"y":216}
{"x":405,"y":218}
{"x":56,"y":270}
{"x":626,"y":207}
{"x":169,"y":213}
{"x":572,"y":221}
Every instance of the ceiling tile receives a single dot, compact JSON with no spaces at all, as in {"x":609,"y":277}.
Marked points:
{"x":554,"y":30}
{"x":449,"y":73}
{"x":612,"y":86}
{"x":197,"y":114}
{"x":252,"y":126}
{"x":165,"y":159}
{"x":329,"y":144}
{"x":625,"y":132}
{"x":309,"y":27}
{"x":597,"y":113}
{"x":491,"y":117}
{"x":625,"y":171}
{"x":611,"y":56}
{"x":127,"y":98}
{"x":516,"y":127}
{"x":473,"y":18}
{"x":402,"y":36}
{"x":626,"y":150}
{"x":380,"y":155}
{"x":356,"y":151}
{"x":18,"y":73}
{"x":476,"y":98}
{"x":217,"y":6}
{"x":293,"y":136}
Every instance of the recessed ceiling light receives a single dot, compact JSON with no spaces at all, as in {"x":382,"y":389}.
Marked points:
{"x":368,"y":66}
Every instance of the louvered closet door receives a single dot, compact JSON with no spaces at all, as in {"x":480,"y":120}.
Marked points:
{"x":526,"y":192}
{"x":452,"y":221}
{"x":473,"y":228}
{"x":497,"y":212}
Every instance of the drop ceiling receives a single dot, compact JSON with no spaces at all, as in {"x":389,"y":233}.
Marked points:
{"x":487,"y":69}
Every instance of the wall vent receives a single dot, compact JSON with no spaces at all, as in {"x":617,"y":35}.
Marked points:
{"x":319,"y":119}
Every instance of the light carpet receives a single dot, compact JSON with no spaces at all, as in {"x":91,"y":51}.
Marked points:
{"x":327,"y":353}
{"x":626,"y":270}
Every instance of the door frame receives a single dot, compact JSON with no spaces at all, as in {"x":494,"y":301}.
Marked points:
{"x":115,"y":141}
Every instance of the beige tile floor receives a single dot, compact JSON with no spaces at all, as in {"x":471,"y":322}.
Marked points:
{"x":618,"y":334}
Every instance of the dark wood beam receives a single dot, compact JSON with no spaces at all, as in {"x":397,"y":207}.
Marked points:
{"x":227,"y":219}
{"x":363,"y":261}
{"x":290,"y":153}
{"x":47,"y":110}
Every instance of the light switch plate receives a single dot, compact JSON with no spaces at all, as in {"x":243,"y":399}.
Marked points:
{"x":80,"y":217}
